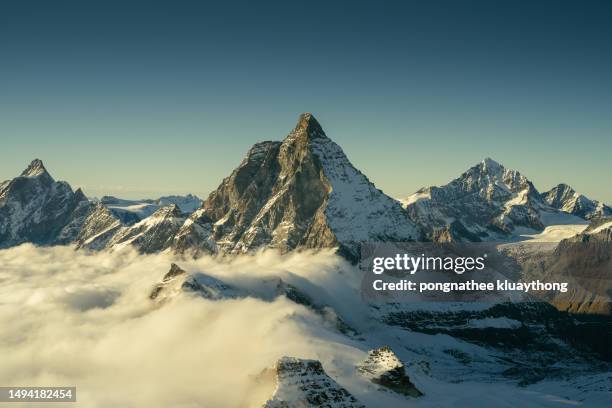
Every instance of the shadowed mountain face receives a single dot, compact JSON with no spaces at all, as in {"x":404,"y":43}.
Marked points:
{"x":299,"y":193}
{"x":36,"y":208}
{"x":584,"y":262}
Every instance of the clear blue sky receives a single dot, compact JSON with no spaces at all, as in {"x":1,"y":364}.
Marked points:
{"x":147,"y":98}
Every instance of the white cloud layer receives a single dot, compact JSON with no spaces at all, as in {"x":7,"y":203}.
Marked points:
{"x":71,"y":318}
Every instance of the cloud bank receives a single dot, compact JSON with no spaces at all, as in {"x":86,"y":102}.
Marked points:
{"x":72,"y":318}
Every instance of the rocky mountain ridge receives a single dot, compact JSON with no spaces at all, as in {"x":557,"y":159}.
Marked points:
{"x":565,"y":198}
{"x":302,"y":192}
{"x":36,"y":208}
{"x":491,"y":202}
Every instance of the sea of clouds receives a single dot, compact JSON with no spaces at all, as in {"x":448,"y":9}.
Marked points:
{"x":74,"y":318}
{"x":85,"y":319}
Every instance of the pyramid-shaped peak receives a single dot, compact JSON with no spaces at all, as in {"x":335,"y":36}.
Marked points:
{"x":490,"y":163}
{"x":35,"y":169}
{"x":563,"y":187}
{"x":491,"y":167}
{"x":309,"y":125}
{"x":174,"y":271}
{"x":79,"y":195}
{"x":172,"y":210}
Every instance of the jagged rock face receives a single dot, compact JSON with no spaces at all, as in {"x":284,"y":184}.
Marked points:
{"x":153,"y":234}
{"x":301,"y":193}
{"x":383,"y":367}
{"x":98,"y":228}
{"x":486,"y":202}
{"x":304,"y":383}
{"x":565,"y":198}
{"x":36,"y":208}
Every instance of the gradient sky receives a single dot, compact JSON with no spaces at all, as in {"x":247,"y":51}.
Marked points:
{"x":140,"y":99}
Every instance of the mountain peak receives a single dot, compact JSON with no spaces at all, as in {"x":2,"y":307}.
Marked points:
{"x":35,"y":169}
{"x":490,"y":164}
{"x":170,"y":210}
{"x":563,"y":187}
{"x":309,"y":125}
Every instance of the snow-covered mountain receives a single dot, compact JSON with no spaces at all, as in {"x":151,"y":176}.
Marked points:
{"x":302,"y":192}
{"x":36,"y":208}
{"x":487,"y":202}
{"x":154,"y":233}
{"x":565,"y":198}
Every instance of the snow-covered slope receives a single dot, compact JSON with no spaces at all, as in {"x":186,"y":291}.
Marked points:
{"x":36,"y":208}
{"x":299,"y":193}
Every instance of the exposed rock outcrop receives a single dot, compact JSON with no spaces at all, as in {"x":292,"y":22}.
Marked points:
{"x":383,"y":367}
{"x":304,"y":383}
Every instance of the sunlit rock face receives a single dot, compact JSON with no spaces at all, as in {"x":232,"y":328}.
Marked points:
{"x":304,"y":383}
{"x":302,"y":192}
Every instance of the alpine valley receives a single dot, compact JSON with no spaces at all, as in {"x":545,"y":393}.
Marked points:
{"x":301,"y":198}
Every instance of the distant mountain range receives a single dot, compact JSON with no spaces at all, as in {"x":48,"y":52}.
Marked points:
{"x":132,"y":211}
{"x":302,"y":192}
{"x":491,"y":202}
